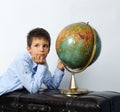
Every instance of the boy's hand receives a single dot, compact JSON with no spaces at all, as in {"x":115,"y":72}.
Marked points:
{"x":39,"y":59}
{"x":60,"y":65}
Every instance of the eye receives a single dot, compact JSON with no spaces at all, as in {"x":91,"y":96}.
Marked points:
{"x":45,"y":46}
{"x":36,"y":45}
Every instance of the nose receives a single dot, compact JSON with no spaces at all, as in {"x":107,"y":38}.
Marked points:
{"x":41,"y":48}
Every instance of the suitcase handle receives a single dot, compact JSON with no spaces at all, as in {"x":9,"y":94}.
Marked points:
{"x":39,"y":108}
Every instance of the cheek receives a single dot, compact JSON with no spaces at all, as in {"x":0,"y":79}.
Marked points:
{"x":46,"y":53}
{"x":32,"y":51}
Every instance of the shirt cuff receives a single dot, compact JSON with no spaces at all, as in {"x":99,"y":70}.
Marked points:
{"x":41,"y":68}
{"x":60,"y":71}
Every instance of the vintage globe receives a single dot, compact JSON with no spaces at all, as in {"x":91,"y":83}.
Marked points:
{"x":78,"y":45}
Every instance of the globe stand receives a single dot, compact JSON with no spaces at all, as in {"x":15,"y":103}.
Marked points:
{"x":73,"y":88}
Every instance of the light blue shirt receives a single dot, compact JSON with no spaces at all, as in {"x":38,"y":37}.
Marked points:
{"x":25,"y":73}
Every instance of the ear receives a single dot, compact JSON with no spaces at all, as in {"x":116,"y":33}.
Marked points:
{"x":28,"y":49}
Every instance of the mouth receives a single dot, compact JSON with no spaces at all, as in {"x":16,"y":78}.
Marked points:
{"x":41,"y":55}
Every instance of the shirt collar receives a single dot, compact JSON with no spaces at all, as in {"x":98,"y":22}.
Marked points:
{"x":33,"y":63}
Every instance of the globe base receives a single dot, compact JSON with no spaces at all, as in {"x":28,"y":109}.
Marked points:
{"x":73,"y":88}
{"x":74,"y":91}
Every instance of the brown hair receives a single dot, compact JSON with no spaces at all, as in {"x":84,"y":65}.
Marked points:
{"x":38,"y":33}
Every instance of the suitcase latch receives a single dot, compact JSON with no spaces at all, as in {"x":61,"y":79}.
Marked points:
{"x":39,"y":108}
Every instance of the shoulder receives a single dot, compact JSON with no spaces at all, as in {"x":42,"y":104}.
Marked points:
{"x":24,"y":56}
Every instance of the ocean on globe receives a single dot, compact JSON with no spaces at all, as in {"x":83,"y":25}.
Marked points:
{"x":78,"y":45}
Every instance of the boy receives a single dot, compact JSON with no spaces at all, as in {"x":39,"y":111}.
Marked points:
{"x":30,"y":69}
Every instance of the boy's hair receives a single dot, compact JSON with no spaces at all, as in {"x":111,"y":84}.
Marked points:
{"x":38,"y":33}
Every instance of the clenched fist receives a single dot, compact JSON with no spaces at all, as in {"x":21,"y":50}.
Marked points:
{"x":39,"y":59}
{"x":60,"y":65}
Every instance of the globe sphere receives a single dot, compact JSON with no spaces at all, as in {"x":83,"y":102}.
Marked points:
{"x":78,"y":45}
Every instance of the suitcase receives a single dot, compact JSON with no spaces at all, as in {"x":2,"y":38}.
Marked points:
{"x":53,"y":101}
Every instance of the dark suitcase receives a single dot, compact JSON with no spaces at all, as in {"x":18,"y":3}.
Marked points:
{"x":54,"y":101}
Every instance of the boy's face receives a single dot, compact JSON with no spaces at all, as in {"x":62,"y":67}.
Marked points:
{"x":39,"y":48}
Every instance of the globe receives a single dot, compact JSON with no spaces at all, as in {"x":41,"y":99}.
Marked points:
{"x":78,"y":45}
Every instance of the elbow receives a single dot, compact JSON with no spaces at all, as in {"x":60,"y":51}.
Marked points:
{"x":33,"y":90}
{"x":53,"y":86}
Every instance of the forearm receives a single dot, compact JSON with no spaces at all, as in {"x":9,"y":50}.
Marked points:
{"x":33,"y":82}
{"x":53,"y":82}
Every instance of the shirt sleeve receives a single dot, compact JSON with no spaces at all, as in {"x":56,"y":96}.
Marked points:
{"x":53,"y":81}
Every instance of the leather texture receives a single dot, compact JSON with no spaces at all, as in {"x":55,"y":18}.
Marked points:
{"x":53,"y":101}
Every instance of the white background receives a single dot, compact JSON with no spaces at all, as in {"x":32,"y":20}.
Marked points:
{"x":17,"y":17}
